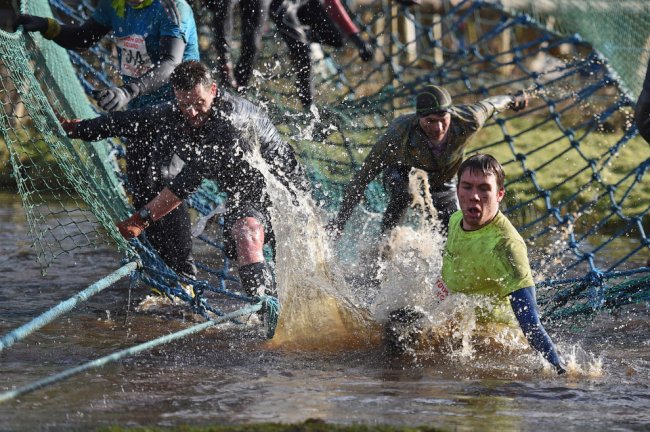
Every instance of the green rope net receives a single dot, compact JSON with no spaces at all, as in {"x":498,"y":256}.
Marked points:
{"x":72,"y":180}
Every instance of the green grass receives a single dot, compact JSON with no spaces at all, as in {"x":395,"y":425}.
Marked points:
{"x":34,"y":158}
{"x":566,"y":162}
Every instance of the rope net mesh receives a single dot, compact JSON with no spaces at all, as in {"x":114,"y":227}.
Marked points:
{"x":617,"y":30}
{"x":66,"y":188}
{"x":576,"y":171}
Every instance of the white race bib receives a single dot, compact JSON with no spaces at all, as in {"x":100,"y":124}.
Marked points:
{"x":135,"y":59}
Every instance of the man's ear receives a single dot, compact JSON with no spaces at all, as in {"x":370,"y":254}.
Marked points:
{"x":213,"y":89}
{"x":501,"y":194}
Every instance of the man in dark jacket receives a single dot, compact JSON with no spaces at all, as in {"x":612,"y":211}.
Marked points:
{"x":432,"y":139}
{"x":214,"y":134}
{"x":152,"y":37}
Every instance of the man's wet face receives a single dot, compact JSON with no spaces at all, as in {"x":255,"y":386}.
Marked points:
{"x":436,"y":125}
{"x":195,"y":104}
{"x":479,"y":198}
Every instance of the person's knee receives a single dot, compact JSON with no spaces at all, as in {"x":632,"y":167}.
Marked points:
{"x":248,"y":234}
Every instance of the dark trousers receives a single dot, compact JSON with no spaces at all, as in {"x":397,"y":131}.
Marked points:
{"x":301,"y":22}
{"x":320,"y":27}
{"x":284,"y":14}
{"x":396,"y":183}
{"x":253,"y":15}
{"x":170,"y":236}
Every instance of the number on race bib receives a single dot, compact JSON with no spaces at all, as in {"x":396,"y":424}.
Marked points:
{"x":135,"y":60}
{"x":441,"y":290}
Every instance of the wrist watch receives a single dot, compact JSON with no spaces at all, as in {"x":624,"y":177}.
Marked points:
{"x":145,"y":214}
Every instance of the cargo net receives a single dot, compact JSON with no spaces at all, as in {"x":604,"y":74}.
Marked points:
{"x":576,"y":171}
{"x":69,"y":195}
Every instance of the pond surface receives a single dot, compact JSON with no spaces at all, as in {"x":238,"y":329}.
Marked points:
{"x":230,"y":374}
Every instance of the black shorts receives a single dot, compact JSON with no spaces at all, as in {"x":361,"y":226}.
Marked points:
{"x":233,"y":215}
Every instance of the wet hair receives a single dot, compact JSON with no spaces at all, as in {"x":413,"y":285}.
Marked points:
{"x":189,"y":74}
{"x":483,"y":163}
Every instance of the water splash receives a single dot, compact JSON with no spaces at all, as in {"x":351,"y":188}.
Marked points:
{"x":317,"y":312}
{"x":580,"y":363}
{"x":410,"y":264}
{"x":320,"y":311}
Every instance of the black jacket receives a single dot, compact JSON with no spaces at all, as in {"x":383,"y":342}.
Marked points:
{"x":217,"y":150}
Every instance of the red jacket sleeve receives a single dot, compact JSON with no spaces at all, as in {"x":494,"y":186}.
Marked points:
{"x":340,"y":16}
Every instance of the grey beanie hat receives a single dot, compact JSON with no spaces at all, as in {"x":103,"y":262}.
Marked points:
{"x":430,"y":99}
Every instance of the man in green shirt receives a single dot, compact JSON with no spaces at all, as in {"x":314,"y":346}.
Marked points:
{"x":485,"y":255}
{"x":432,"y":139}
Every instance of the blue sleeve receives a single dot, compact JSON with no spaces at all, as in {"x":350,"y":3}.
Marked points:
{"x":103,"y":13}
{"x":174,"y":19}
{"x":524,"y":305}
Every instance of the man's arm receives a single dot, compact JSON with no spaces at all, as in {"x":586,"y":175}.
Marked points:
{"x":497,"y":104}
{"x":524,"y":305}
{"x":510,"y":264}
{"x":156,"y":209}
{"x":164,"y":203}
{"x":472,"y":117}
{"x":250,"y":123}
{"x":374,"y":163}
{"x":280,"y":157}
{"x":137,"y":123}
{"x":171,"y":55}
{"x":286,"y":168}
{"x":68,"y":36}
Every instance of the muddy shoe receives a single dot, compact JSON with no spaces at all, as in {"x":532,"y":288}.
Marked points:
{"x":270,"y":313}
{"x":402,"y":331}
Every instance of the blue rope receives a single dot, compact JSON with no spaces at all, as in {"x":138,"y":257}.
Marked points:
{"x":65,"y":306}
{"x":4,"y":397}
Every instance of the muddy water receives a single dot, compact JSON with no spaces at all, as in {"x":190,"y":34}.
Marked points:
{"x":232,"y":375}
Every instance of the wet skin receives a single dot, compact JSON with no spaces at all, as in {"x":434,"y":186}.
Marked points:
{"x":195,"y":104}
{"x":436,"y":126}
{"x":479,"y":198}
